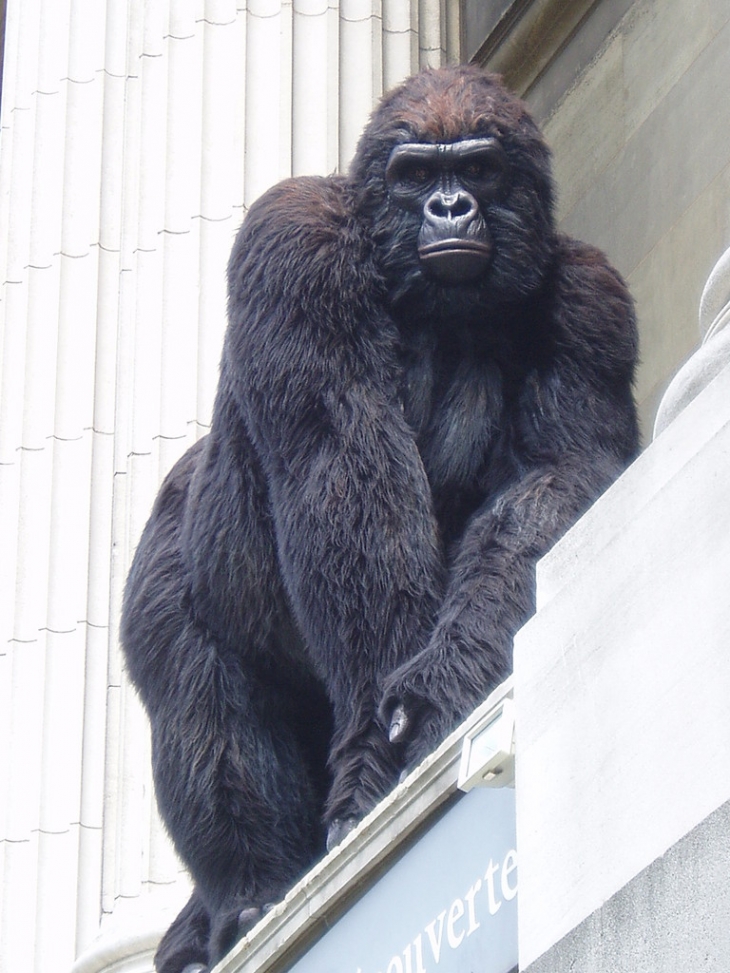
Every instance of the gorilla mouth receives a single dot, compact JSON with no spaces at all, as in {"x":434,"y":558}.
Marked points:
{"x":455,"y":260}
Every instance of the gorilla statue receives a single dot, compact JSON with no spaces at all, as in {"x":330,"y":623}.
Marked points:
{"x":423,"y":385}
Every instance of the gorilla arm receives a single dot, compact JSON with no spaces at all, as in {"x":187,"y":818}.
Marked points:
{"x":490,"y":595}
{"x":575,"y":430}
{"x":310,"y":364}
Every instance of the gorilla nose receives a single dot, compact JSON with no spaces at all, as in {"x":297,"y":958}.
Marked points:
{"x":451,"y":206}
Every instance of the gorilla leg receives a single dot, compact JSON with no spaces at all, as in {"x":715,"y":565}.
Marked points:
{"x":240,"y":725}
{"x":240,"y":776}
{"x":186,"y":941}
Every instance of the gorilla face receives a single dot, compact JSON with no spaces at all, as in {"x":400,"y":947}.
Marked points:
{"x":447,"y":185}
{"x":454,"y":179}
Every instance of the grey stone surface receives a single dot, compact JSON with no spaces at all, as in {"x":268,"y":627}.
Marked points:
{"x":681,"y":147}
{"x":674,"y":917}
{"x":578,"y":53}
{"x":641,"y":143}
{"x":479,"y":20}
{"x":622,"y":679}
{"x":714,"y":354}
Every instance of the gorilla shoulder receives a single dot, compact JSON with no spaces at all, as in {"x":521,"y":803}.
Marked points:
{"x":300,"y":239}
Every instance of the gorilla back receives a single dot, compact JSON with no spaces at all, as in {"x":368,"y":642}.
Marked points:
{"x":423,"y":385}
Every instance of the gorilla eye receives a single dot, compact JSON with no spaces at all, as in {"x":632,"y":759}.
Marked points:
{"x":411,"y":170}
{"x":482,"y":165}
{"x":417,"y":175}
{"x":474,"y":170}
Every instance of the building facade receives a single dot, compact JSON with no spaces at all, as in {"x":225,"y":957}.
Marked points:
{"x":134,"y":135}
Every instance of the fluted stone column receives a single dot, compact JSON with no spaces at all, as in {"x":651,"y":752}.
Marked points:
{"x":134,"y":133}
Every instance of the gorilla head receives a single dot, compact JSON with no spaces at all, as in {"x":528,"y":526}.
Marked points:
{"x":454,"y":178}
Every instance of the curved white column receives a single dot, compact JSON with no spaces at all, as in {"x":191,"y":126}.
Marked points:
{"x":712,"y":355}
{"x":134,"y":133}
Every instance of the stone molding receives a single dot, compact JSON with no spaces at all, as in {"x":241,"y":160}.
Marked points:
{"x":712,"y":355}
{"x":528,"y":36}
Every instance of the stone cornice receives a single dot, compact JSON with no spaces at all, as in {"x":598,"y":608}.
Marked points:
{"x":528,"y":36}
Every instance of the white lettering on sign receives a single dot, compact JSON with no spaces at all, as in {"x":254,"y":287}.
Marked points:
{"x":456,"y":911}
{"x":435,"y":940}
{"x":509,"y":866}
{"x":459,"y":919}
{"x":469,"y":899}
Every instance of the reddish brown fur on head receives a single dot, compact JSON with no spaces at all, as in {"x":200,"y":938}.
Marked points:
{"x":451,"y":103}
{"x":445,"y":105}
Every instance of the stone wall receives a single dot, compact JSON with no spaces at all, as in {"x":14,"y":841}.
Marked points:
{"x":641,"y":142}
{"x":622,"y":681}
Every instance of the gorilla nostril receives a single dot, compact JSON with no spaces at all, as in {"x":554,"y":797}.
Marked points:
{"x":435,"y":207}
{"x":450,"y":206}
{"x":463,"y":205}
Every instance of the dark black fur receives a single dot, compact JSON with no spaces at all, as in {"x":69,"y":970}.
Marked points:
{"x":388,"y":458}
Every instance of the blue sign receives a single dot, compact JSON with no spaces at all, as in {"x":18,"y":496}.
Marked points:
{"x":449,"y":905}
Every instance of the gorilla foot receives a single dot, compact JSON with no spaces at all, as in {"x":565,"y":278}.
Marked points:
{"x":248,"y":917}
{"x":416,"y":725}
{"x":407,"y":716}
{"x":339,"y":829}
{"x":230,"y":925}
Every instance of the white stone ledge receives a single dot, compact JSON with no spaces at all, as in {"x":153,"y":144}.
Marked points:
{"x":622,"y":678}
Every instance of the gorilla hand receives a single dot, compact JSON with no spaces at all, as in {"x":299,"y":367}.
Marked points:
{"x":414,"y":711}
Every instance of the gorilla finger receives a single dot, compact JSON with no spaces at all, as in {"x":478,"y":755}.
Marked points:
{"x":400,"y":724}
{"x":248,"y":917}
{"x":195,"y":968}
{"x":338,"y":830}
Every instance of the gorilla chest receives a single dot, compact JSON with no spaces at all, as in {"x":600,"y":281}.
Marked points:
{"x":458,"y":408}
